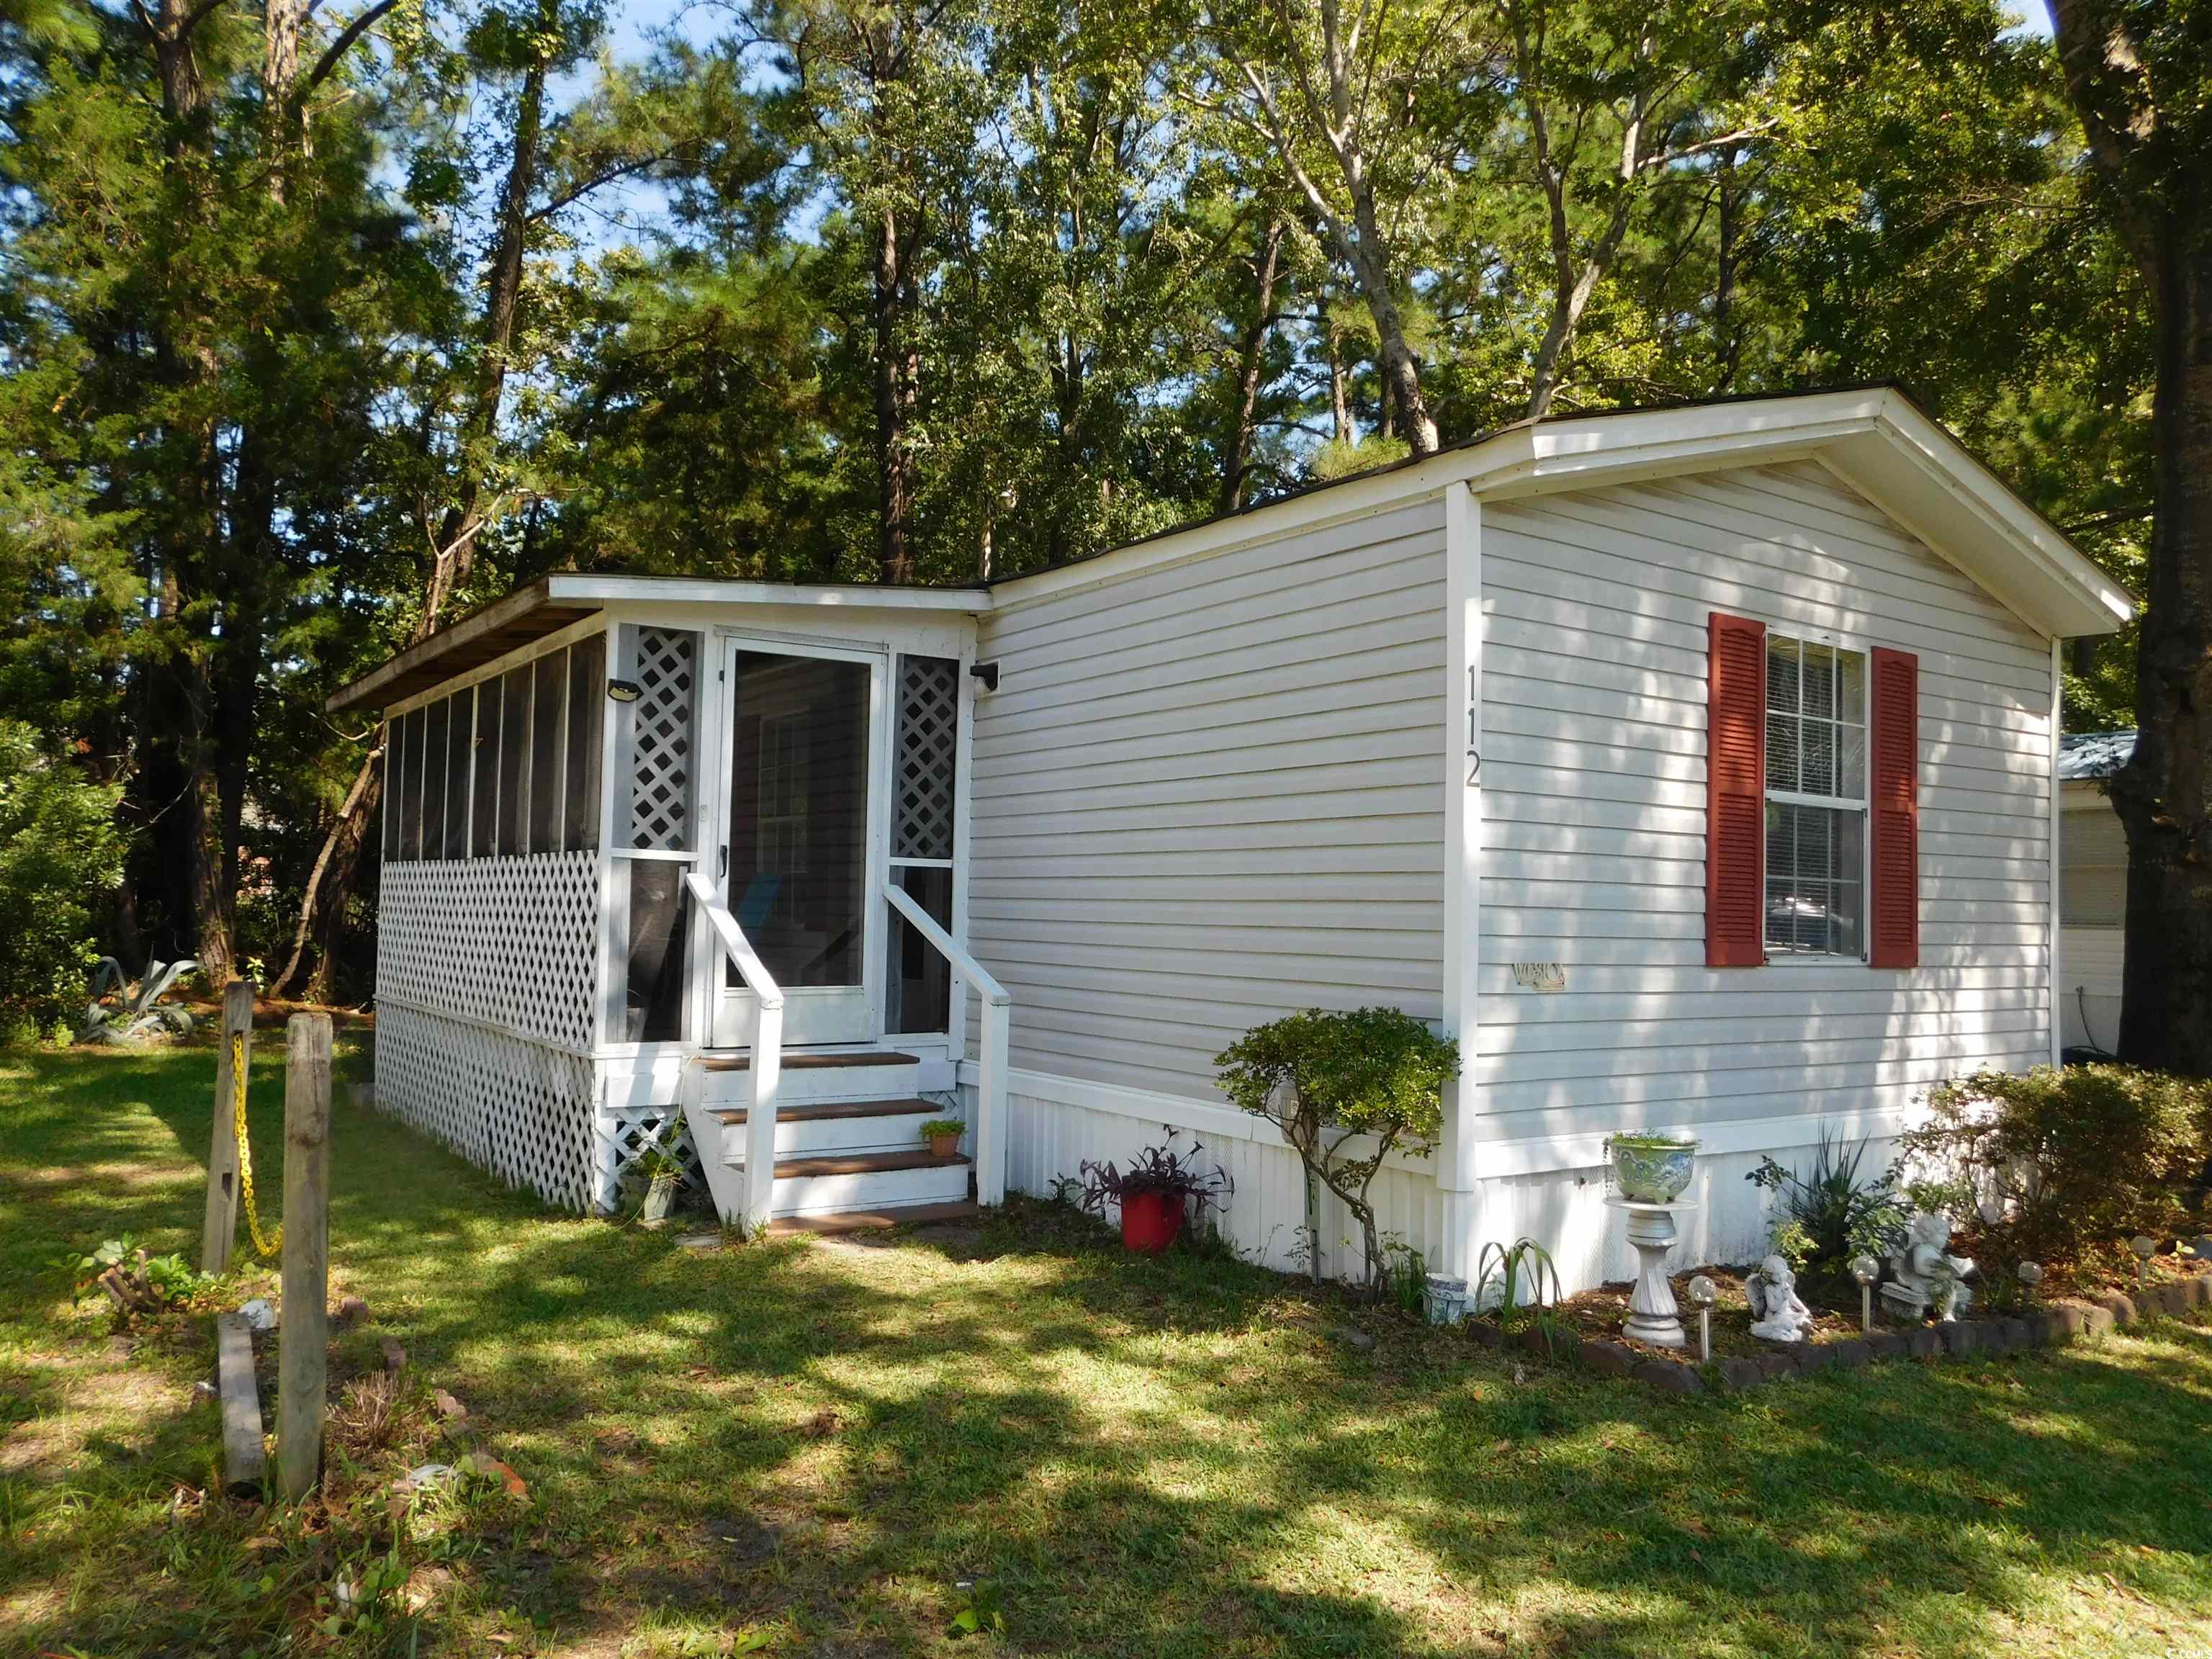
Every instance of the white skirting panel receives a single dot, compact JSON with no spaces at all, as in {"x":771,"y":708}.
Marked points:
{"x":1055,"y":1124}
{"x":1565,"y":1211}
{"x":525,"y":1111}
{"x":1265,"y":1219}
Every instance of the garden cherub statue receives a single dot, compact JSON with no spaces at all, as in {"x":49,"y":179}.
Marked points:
{"x":1924,"y":1274}
{"x":1776,"y":1314}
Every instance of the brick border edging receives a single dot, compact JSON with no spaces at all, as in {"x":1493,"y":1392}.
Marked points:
{"x":2049,"y":1326}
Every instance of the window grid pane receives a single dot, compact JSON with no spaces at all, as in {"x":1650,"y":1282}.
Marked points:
{"x":460,"y":746}
{"x":514,"y":761}
{"x":483,"y":820}
{"x":395,"y":772}
{"x":1815,"y":746}
{"x":410,"y":803}
{"x":549,"y":699}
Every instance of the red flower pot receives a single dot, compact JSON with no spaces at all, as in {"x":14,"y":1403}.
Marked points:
{"x":1150,"y":1221}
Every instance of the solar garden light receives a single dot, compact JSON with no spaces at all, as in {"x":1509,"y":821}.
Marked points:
{"x":2030,"y":1275}
{"x":2145,"y":1247}
{"x":1865,"y":1269}
{"x":1703,"y":1295}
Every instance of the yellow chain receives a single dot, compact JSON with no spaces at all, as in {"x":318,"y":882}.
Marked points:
{"x":275,"y":1241}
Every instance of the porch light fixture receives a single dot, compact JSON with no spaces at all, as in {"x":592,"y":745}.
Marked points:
{"x":986,"y":673}
{"x":624,"y":690}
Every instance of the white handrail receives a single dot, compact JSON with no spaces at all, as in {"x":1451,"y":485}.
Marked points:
{"x":991,"y":1079}
{"x":767,"y":1067}
{"x":751,"y":968}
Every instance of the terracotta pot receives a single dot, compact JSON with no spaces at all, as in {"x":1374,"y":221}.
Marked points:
{"x":944,"y":1146}
{"x":1151,"y":1221}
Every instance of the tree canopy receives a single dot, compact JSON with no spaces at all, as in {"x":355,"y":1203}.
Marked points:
{"x":321,"y":325}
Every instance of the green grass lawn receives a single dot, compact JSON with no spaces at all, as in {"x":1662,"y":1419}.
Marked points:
{"x":802,"y":1449}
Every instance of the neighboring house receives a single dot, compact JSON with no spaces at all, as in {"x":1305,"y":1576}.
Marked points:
{"x":2093,"y":893}
{"x":1692,"y":767}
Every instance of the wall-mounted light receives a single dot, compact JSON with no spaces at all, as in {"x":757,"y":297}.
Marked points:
{"x":624,"y":690}
{"x":987,"y":674}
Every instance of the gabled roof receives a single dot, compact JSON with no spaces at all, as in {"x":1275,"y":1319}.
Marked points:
{"x":2085,"y":755}
{"x":1876,"y":439}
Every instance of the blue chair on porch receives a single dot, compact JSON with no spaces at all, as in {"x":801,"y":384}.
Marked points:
{"x":759,"y":903}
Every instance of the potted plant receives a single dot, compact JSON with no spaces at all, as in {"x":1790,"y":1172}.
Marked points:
{"x":943,"y":1134}
{"x":662,"y":1171}
{"x":1155,"y":1194}
{"x":1650,"y":1169}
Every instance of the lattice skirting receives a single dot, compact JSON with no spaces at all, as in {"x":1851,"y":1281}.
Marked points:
{"x":526,"y":1112}
{"x":624,"y":1135}
{"x":512,"y":942}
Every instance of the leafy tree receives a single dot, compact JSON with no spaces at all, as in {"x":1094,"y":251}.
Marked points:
{"x":1347,"y":1089}
{"x":2140,"y":75}
{"x":58,"y":849}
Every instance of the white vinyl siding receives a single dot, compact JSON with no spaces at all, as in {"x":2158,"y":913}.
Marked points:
{"x":1596,"y":609}
{"x":1212,"y":793}
{"x":2093,"y":864}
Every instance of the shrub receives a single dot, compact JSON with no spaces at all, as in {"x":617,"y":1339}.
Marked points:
{"x":1519,"y":1270}
{"x":58,"y":845}
{"x":2071,"y":1162}
{"x":1828,"y":1215}
{"x":1162,"y":1170}
{"x":1326,"y":1081}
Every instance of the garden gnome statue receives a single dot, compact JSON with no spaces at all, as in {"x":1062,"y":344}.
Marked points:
{"x":1777,"y":1315}
{"x":1924,"y":1275}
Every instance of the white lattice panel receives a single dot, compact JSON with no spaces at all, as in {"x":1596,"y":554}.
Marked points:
{"x":928,"y":739}
{"x":512,"y":941}
{"x":664,"y":740}
{"x":520,"y":1110}
{"x":624,"y":1135}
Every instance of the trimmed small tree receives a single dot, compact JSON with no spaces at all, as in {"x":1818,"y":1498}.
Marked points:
{"x":1347,"y":1089}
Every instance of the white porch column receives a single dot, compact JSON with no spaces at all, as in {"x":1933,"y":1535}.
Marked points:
{"x":2057,"y":817}
{"x":1457,"y":1162}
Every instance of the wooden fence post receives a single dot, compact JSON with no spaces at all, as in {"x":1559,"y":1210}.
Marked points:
{"x":302,"y":1344}
{"x":220,"y":1229}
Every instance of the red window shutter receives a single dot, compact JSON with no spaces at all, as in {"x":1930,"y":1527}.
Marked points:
{"x":1893,"y":803}
{"x":1736,"y":791}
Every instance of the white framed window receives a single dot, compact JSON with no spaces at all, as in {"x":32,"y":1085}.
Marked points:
{"x":1816,"y":799}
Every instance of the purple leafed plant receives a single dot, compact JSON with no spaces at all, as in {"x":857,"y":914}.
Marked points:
{"x":1164,"y":1169}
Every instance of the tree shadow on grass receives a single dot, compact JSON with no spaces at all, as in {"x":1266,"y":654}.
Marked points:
{"x":1174,"y":1458}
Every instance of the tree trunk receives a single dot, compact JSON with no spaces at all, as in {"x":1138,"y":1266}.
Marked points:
{"x":1401,"y":371}
{"x":329,"y":887}
{"x":1339,"y":396}
{"x":1728,"y":339}
{"x":2138,"y":81}
{"x":894,"y":373}
{"x":1251,"y":358}
{"x":284,"y":122}
{"x":2164,"y":794}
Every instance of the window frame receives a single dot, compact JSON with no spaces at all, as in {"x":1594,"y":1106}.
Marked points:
{"x":1862,"y":805}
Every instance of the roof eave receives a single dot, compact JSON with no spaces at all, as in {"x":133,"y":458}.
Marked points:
{"x":1877,"y":440}
{"x":555,"y":601}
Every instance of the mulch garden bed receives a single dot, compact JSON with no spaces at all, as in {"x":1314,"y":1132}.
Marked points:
{"x":1586,"y":1329}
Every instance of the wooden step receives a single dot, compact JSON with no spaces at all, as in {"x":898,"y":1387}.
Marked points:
{"x":849,"y":1164}
{"x":860,"y":1221}
{"x":814,"y":1111}
{"x":806,"y":1062}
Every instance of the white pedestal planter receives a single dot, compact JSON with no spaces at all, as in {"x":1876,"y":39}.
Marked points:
{"x":1653,"y":1314}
